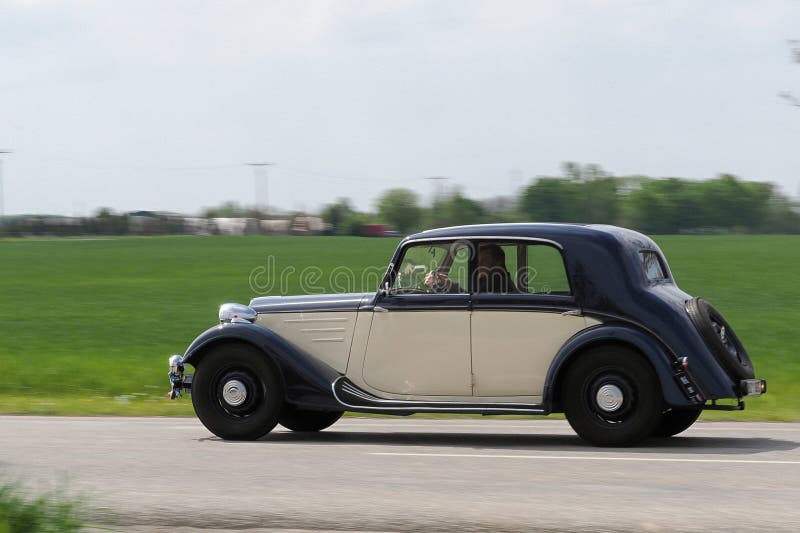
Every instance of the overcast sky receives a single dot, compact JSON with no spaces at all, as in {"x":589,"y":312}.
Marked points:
{"x":158,"y":105}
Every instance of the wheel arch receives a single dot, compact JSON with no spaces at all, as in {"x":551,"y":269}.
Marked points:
{"x":648,"y":347}
{"x":195,"y":357}
{"x":307,"y":382}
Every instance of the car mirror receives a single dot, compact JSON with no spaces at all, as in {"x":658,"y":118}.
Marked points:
{"x":384,"y":291}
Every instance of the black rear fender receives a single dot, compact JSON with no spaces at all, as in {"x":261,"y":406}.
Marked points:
{"x":659,"y":357}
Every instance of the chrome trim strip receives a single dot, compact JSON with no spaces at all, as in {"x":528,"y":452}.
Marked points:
{"x":321,"y":330}
{"x":334,"y":319}
{"x":485,"y":237}
{"x":310,"y":302}
{"x":425,"y":406}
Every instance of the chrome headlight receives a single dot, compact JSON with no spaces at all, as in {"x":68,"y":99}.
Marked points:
{"x":237,"y":313}
{"x":176,"y":365}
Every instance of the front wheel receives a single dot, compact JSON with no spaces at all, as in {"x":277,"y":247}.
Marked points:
{"x":676,"y":421}
{"x":236,"y":393}
{"x":297,"y":419}
{"x":612,"y":397}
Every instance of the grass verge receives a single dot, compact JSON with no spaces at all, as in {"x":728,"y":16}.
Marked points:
{"x":42,"y":514}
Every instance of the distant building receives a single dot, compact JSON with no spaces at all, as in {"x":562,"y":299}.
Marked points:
{"x":374,"y":230}
{"x":305,"y":225}
{"x":155,"y":222}
{"x":275,"y":227}
{"x":198,"y":226}
{"x":236,"y":226}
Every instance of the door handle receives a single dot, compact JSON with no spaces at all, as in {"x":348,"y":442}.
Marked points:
{"x":379,"y":309}
{"x":572,"y":312}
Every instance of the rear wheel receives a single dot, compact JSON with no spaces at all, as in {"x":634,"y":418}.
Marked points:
{"x":676,"y":421}
{"x":612,"y":397}
{"x":297,"y":419}
{"x":236,"y":393}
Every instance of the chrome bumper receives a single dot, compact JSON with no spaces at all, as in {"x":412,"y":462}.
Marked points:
{"x":178,"y":380}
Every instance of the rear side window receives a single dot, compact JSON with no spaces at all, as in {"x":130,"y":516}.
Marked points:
{"x":653,"y":268}
{"x":545,"y":271}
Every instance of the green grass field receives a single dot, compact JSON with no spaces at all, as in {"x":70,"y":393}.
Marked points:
{"x":86,"y":325}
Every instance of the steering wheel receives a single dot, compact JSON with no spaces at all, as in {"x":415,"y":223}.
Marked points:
{"x":440,"y":283}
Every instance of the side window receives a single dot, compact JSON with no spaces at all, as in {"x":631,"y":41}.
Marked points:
{"x":459,"y":271}
{"x":543,"y":271}
{"x":653,"y":268}
{"x":510,"y":252}
{"x":448,"y":258}
{"x":496,"y":267}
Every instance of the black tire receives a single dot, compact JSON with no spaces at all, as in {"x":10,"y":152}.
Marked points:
{"x":720,"y":339}
{"x":676,"y":421}
{"x":260,"y":408}
{"x":297,"y":419}
{"x":612,"y":397}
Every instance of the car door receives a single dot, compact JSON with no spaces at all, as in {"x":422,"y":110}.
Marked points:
{"x":516,"y":334}
{"x":419,"y":341}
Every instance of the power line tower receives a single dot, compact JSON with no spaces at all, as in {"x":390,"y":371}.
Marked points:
{"x":2,"y":198}
{"x":514,"y":180}
{"x":261,"y":185}
{"x":438,"y":187}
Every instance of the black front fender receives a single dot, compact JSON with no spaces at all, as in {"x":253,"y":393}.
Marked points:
{"x":307,"y":381}
{"x":662,"y":361}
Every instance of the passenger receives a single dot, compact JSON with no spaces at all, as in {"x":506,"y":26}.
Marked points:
{"x":492,"y":274}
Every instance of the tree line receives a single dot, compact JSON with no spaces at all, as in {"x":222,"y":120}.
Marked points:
{"x":581,"y":194}
{"x":588,"y":194}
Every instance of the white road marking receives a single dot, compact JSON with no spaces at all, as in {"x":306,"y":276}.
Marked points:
{"x":443,"y":425}
{"x":586,"y":458}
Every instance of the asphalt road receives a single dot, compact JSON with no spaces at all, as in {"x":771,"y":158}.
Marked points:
{"x":157,"y":474}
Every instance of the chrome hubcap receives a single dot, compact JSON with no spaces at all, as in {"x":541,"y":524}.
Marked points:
{"x":609,"y":398}
{"x":234,"y":393}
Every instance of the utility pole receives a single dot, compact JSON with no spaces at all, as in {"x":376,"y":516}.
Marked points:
{"x":2,"y":198}
{"x":514,"y":180}
{"x":438,"y":187}
{"x":260,"y":175}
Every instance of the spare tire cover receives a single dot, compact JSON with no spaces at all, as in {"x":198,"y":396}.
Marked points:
{"x":720,"y":338}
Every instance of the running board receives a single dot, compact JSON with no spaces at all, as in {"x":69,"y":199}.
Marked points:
{"x":355,"y":399}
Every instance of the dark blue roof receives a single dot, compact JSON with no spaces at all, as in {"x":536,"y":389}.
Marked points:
{"x":527,"y":229}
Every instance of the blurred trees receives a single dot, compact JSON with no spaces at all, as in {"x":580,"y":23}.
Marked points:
{"x":721,"y":204}
{"x":581,"y":194}
{"x":584,"y":193}
{"x":336,"y":215}
{"x":588,"y":194}
{"x":106,"y":222}
{"x":400,"y":209}
{"x":458,"y":210}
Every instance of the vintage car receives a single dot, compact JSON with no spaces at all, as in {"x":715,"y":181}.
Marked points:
{"x":526,"y":319}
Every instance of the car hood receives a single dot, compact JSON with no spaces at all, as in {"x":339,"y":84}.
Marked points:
{"x":311,"y":303}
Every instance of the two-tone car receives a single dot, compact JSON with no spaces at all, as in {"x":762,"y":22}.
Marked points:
{"x":525,"y":319}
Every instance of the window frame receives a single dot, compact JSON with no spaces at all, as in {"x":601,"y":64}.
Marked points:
{"x":662,"y":263}
{"x":475,"y":241}
{"x":394,"y":267}
{"x":522,"y":300}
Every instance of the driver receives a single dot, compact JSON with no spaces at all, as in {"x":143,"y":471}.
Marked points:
{"x":492,"y":274}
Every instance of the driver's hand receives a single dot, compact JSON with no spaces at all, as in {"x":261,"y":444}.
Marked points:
{"x":438,"y":282}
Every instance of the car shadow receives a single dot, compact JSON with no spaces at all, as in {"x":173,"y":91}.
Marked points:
{"x":538,"y":442}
